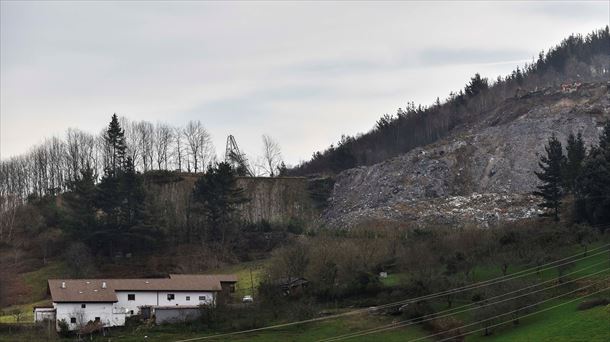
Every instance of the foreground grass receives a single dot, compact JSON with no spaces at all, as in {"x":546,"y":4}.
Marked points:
{"x":562,"y":324}
{"x":309,"y":332}
{"x":486,"y":272}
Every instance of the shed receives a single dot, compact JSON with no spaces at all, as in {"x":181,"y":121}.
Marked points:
{"x":42,"y":313}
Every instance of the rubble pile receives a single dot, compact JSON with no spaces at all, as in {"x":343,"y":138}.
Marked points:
{"x":482,"y":174}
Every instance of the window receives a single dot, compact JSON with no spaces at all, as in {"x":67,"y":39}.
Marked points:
{"x":72,"y":319}
{"x":188,"y":297}
{"x":97,"y":319}
{"x":170,"y":296}
{"x":201,"y":297}
{"x":131,"y":312}
{"x":131,"y":296}
{"x":82,"y":306}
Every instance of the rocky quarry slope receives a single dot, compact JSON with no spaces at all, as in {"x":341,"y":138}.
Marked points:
{"x":480,"y":174}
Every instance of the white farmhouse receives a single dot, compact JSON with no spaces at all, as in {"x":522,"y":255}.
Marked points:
{"x":107,"y":302}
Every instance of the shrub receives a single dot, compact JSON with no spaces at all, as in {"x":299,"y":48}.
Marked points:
{"x":64,"y":329}
{"x":447,"y":328}
{"x":295,"y":226}
{"x":591,"y":303}
{"x":415,"y":311}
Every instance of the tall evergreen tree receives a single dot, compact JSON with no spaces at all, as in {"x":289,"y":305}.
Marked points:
{"x":114,"y":138}
{"x":576,"y":153}
{"x":551,"y":188}
{"x":219,"y":196}
{"x":121,"y":197}
{"x":80,"y":220}
{"x":593,"y":183}
{"x":477,"y":85}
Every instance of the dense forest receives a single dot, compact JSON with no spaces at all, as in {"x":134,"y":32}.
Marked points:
{"x":576,"y":59}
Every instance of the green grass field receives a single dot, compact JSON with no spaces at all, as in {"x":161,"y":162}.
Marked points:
{"x":250,"y":275}
{"x":37,"y":282}
{"x":564,"y":323}
{"x":561,"y":324}
{"x":309,"y":332}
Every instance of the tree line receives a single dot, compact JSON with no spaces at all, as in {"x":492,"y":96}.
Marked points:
{"x":52,"y":166}
{"x":583,"y":174}
{"x":577,"y":58}
{"x":115,"y":216}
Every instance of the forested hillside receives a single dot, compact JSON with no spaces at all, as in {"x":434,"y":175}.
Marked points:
{"x":576,"y":59}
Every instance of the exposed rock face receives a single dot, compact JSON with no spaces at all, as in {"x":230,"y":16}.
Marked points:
{"x":480,"y":174}
{"x":276,"y":200}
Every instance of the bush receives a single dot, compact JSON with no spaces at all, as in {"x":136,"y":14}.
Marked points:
{"x":295,"y":226}
{"x":447,"y":328}
{"x":415,"y":311}
{"x":133,"y":321}
{"x":64,"y":329}
{"x":589,"y":304}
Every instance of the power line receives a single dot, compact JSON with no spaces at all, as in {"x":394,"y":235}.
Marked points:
{"x":484,"y":320}
{"x":471,"y":306}
{"x":531,"y":314}
{"x":457,"y":290}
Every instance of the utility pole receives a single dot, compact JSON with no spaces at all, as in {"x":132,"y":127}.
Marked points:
{"x":251,"y":283}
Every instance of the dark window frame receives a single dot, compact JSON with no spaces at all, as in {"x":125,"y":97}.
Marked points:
{"x":83,"y":306}
{"x":131,"y":296}
{"x":171,"y":296}
{"x":72,"y":319}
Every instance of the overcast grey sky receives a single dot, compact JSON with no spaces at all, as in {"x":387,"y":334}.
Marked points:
{"x":303,"y":72}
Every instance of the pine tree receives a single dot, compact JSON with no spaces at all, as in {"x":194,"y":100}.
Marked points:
{"x":551,"y":177}
{"x":576,"y":153}
{"x":218,"y":194}
{"x":80,"y":219}
{"x":114,"y":138}
{"x":593,"y":183}
{"x":477,"y":85}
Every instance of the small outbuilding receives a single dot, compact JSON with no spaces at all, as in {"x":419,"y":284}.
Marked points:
{"x":44,"y":313}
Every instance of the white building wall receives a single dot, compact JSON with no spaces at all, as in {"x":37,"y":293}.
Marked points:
{"x":105,"y":311}
{"x":113,"y":314}
{"x":141,"y":298}
{"x":150,"y":298}
{"x":180,"y":298}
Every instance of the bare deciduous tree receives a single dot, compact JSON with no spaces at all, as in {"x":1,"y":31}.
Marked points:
{"x":199,"y":144}
{"x":163,"y":140}
{"x":145,"y":131}
{"x":272,"y":156}
{"x":178,"y":148}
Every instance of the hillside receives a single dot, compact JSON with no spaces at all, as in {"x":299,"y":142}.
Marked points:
{"x":480,"y":174}
{"x":578,"y":58}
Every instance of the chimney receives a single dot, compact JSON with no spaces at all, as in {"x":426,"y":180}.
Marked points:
{"x":63,"y":284}
{"x":103,"y":284}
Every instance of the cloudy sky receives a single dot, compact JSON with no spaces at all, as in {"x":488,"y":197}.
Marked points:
{"x":305,"y":73}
